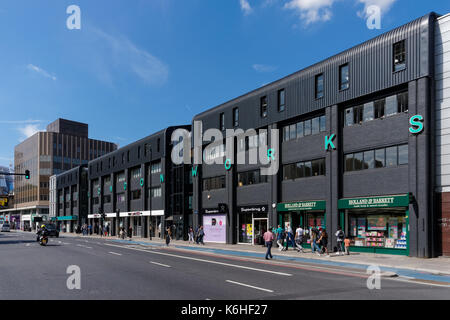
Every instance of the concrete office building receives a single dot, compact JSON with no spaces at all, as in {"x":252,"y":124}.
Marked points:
{"x":63,"y":146}
{"x":139,"y":186}
{"x":362,"y":145}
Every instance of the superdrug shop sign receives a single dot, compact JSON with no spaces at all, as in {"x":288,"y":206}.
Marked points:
{"x":253,"y":209}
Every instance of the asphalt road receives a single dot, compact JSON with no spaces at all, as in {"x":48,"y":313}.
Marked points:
{"x":114,"y":270}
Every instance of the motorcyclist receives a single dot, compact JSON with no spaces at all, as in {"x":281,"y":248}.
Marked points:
{"x":42,"y":232}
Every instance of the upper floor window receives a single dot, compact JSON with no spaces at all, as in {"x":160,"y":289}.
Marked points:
{"x":380,"y":108}
{"x":156,"y":167}
{"x":214,"y":152}
{"x":281,"y":100}
{"x":121,"y":177}
{"x":319,"y":86}
{"x":136,"y":173}
{"x":344,"y":77}
{"x":399,"y":55}
{"x":264,"y":107}
{"x":236,"y":117}
{"x":304,"y":169}
{"x":378,"y":158}
{"x":304,"y":128}
{"x":222,"y":121}
{"x":214,"y":183}
{"x":158,"y":146}
{"x":251,"y":177}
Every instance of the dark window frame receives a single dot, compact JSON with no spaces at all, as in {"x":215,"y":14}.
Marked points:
{"x":319,"y":94}
{"x":264,"y":107}
{"x":281,"y":106}
{"x":344,"y":85}
{"x":399,"y":65}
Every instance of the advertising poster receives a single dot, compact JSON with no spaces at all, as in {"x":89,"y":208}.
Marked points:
{"x":353,"y":230}
{"x":361,"y":227}
{"x":393,"y":228}
{"x":215,"y":228}
{"x":376,"y":223}
{"x":249,"y":230}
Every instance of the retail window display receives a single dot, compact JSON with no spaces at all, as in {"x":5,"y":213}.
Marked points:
{"x":377,"y":230}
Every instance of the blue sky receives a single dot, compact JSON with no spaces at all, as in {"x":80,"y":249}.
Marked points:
{"x":137,"y":66}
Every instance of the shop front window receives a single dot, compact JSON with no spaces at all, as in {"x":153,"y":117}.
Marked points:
{"x":377,"y":229}
{"x":245,"y":228}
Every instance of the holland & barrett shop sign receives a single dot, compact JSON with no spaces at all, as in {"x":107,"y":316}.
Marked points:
{"x":301,"y":206}
{"x":375,"y":202}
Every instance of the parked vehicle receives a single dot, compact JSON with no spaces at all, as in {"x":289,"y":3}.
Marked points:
{"x":5,"y":227}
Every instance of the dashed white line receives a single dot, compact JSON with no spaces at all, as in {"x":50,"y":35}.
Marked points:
{"x":249,"y":286}
{"x":83,"y":246}
{"x":202,"y":260}
{"x":117,"y":254}
{"x":160,"y":264}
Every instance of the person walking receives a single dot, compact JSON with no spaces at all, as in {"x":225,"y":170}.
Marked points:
{"x":340,"y":236}
{"x":313,"y":238}
{"x":347,"y":246}
{"x":168,"y":232}
{"x":299,"y":239}
{"x":201,"y":234}
{"x":280,"y":232}
{"x":130,"y":232}
{"x":191,"y":235}
{"x":268,"y":239}
{"x":324,"y":242}
{"x":289,"y":235}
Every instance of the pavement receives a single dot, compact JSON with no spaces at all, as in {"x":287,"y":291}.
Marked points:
{"x":436,"y":269}
{"x":122,"y":269}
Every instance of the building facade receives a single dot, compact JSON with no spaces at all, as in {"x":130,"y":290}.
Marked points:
{"x":356,"y":148}
{"x":442,"y":105}
{"x":71,"y":200}
{"x":139,"y":186}
{"x":63,"y":146}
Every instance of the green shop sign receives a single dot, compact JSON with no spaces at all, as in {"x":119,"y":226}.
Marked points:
{"x":67,"y":218}
{"x":375,"y":202}
{"x":301,"y":206}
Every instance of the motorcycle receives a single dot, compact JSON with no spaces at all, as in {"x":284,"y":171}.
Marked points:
{"x":43,"y":240}
{"x":42,"y":237}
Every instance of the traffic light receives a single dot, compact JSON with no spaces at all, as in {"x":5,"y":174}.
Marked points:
{"x":27,"y":174}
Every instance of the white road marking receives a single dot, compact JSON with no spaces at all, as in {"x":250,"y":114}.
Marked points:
{"x":117,"y":254}
{"x":249,"y":286}
{"x":83,"y":246}
{"x":418,"y":282}
{"x":202,"y":260}
{"x":160,"y":264}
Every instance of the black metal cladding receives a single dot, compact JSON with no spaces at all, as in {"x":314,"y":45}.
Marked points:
{"x":137,"y":153}
{"x":371,"y":70}
{"x":69,"y":178}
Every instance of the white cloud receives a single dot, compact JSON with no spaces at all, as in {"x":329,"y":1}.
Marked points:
{"x":311,"y":10}
{"x":245,"y":7}
{"x":384,"y":5}
{"x":20,"y":121}
{"x":125,"y":55}
{"x":41,"y":71}
{"x":263,"y":68}
{"x":28,"y":131}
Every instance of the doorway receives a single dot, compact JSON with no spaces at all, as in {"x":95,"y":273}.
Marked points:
{"x":259,"y":228}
